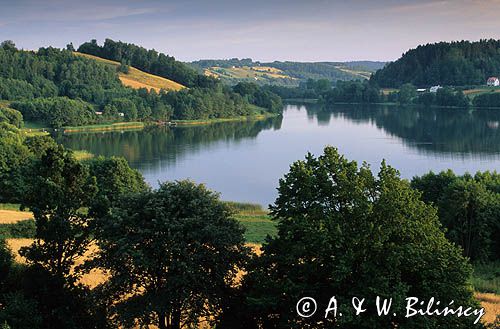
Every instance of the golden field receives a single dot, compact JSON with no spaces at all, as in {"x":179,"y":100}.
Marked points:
{"x":12,"y":216}
{"x":138,"y":79}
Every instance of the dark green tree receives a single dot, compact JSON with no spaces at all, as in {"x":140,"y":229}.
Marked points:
{"x":58,"y":189}
{"x":343,"y":232}
{"x":171,"y":255}
{"x":468,"y":208}
{"x":115,"y":178}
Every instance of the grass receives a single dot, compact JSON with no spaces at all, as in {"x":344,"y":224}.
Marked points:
{"x":106,"y":127}
{"x":136,"y":78}
{"x":9,"y":206}
{"x":486,"y":278}
{"x":81,"y":155}
{"x":256,"y":221}
{"x":479,"y":90}
{"x":22,"y":229}
{"x":217,"y":120}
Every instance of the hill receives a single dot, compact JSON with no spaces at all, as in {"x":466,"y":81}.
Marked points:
{"x":135,"y":78}
{"x":56,"y":88}
{"x":288,"y":73}
{"x":259,"y":74}
{"x":148,"y":60}
{"x":445,"y":63}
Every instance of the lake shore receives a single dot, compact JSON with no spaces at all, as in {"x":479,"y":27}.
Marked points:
{"x":138,"y":125}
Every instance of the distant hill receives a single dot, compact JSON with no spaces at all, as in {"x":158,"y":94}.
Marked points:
{"x":285,"y":73}
{"x":444,"y":63}
{"x":136,"y":79}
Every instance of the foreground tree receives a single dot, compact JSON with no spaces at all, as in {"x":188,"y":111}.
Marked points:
{"x":58,"y":189}
{"x":171,"y":255}
{"x":343,"y":232}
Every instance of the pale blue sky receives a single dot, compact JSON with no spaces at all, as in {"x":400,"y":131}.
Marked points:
{"x":266,"y":30}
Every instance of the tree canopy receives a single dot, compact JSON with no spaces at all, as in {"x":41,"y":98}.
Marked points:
{"x":343,"y":232}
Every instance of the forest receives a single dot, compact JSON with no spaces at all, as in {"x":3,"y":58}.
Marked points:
{"x":460,"y":63}
{"x":57,"y":88}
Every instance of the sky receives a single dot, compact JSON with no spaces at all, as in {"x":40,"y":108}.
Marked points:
{"x":264,"y":30}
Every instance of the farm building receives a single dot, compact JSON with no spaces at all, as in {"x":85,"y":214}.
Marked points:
{"x":434,"y":89}
{"x":493,"y":82}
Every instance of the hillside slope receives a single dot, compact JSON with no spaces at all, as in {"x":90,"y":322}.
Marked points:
{"x":284,"y":73}
{"x":136,"y":78}
{"x":444,"y":63}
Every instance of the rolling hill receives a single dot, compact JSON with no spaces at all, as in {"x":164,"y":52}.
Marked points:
{"x":284,"y":73}
{"x":136,"y":78}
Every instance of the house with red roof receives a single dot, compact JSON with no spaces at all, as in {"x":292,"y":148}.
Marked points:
{"x":493,"y":82}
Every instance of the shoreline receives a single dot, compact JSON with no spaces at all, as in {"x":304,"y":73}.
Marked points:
{"x":138,"y":125}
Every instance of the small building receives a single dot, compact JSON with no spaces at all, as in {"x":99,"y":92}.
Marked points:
{"x":493,"y":82}
{"x":98,"y":113}
{"x":421,"y":90}
{"x":434,"y":89}
{"x":121,"y":114}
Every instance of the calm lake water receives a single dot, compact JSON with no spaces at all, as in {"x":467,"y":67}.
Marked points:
{"x":244,"y":160}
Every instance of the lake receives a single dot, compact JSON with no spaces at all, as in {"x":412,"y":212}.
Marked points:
{"x":244,"y":160}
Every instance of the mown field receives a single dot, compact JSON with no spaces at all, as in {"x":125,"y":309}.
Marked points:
{"x":138,"y":79}
{"x":18,"y":228}
{"x":247,"y":72}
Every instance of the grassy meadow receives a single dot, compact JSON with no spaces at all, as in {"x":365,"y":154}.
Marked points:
{"x":105,"y":127}
{"x":138,"y":79}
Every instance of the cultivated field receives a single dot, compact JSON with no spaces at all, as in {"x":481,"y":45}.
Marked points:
{"x":138,"y":79}
{"x":247,"y":72}
{"x":357,"y":73}
{"x":13,"y":216}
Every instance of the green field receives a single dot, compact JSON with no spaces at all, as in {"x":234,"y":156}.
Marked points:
{"x":106,"y":127}
{"x":486,"y":278}
{"x":255,"y":219}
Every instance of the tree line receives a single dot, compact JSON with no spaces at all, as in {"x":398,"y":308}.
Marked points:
{"x":364,"y":92}
{"x":172,"y":255}
{"x":457,"y":63}
{"x":57,"y":88}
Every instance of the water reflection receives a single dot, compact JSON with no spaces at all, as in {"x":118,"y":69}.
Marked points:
{"x":159,"y":144}
{"x":428,"y":129}
{"x":244,"y":160}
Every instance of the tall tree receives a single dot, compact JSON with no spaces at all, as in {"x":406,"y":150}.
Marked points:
{"x":58,"y":190}
{"x":171,"y":255}
{"x":343,"y":232}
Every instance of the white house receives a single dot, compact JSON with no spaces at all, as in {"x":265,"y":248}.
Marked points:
{"x":493,"y":82}
{"x":434,"y":89}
